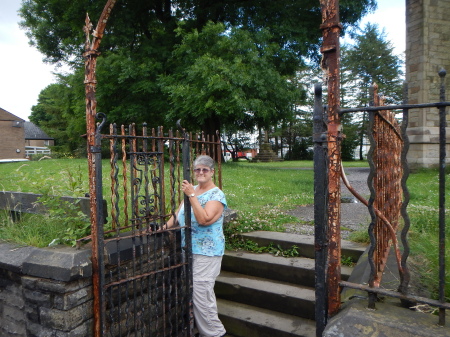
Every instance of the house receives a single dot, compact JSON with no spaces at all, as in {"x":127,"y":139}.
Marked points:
{"x":20,"y":139}
{"x":36,"y":140}
{"x":12,"y":136}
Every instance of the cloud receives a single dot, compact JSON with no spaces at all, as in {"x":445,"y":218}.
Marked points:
{"x":22,"y":70}
{"x":391,"y":17}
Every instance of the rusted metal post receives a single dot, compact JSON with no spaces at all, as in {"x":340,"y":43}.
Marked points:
{"x":94,"y":160}
{"x":330,"y":62}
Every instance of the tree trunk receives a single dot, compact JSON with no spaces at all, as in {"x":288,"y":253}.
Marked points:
{"x":211,"y":128}
{"x":361,"y":139}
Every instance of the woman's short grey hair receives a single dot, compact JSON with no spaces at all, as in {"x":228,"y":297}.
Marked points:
{"x":204,"y":160}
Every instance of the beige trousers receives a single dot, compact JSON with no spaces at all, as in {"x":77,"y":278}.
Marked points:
{"x":205,"y":271}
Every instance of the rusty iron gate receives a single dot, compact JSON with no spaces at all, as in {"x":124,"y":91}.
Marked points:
{"x":144,"y":283}
{"x":387,"y":205}
{"x":389,"y":196}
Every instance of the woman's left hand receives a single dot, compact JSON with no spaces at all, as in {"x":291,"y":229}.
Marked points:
{"x":187,"y":188}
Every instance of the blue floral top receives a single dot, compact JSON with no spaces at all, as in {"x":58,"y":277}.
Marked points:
{"x":206,"y":240}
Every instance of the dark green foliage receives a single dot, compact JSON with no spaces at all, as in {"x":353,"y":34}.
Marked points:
{"x":210,"y":63}
{"x":370,"y":60}
{"x":302,"y":150}
{"x":228,"y":78}
{"x":352,"y":131}
{"x":60,"y":113}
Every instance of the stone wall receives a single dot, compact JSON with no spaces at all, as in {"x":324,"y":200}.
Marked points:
{"x":45,"y":292}
{"x":48,"y":291}
{"x":427,"y":51}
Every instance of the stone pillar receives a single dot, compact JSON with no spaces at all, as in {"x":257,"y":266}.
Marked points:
{"x":427,"y":51}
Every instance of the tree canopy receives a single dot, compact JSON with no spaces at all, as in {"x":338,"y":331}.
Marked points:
{"x":212,"y":63}
{"x":55,"y":26}
{"x":59,"y":114}
{"x":369,"y":60}
{"x":228,"y":76}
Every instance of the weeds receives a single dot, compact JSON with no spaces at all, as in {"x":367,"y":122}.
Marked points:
{"x":361,"y":236}
{"x":63,"y":222}
{"x":347,"y":261}
{"x":276,"y":250}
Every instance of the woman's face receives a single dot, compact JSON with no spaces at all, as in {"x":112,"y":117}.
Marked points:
{"x":203,"y":173}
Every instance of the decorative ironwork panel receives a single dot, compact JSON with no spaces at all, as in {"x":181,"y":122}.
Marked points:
{"x":387,"y":205}
{"x":385,"y":177}
{"x":145,"y":285}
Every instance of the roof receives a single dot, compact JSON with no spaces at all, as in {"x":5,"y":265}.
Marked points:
{"x":32,"y":131}
{"x":8,"y":116}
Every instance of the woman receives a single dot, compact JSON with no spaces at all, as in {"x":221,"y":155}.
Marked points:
{"x":208,"y":243}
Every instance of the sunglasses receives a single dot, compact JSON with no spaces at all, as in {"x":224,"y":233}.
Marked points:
{"x":202,"y":170}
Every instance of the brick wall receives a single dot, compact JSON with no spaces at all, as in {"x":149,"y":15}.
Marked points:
{"x":12,"y":139}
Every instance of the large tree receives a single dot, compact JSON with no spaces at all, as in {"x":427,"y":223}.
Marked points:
{"x":55,"y":26}
{"x":141,"y":38}
{"x":369,"y":60}
{"x":59,"y":114}
{"x":228,"y":77}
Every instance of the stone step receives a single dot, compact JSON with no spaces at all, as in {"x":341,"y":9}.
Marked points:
{"x":262,"y":293}
{"x":242,"y":320}
{"x":305,"y":243}
{"x":265,"y":295}
{"x":295,"y":270}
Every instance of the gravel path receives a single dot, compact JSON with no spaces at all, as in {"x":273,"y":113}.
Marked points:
{"x":354,"y":215}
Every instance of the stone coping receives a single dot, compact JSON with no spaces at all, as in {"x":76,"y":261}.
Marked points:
{"x":59,"y":263}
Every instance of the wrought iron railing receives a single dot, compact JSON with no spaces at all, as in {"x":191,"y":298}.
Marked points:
{"x":145,"y":276}
{"x":387,"y":205}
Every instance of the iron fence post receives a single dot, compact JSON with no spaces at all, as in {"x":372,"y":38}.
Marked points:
{"x":405,"y":276}
{"x":330,"y":62}
{"x":188,"y":236}
{"x":97,"y":221}
{"x":320,"y":210}
{"x":94,"y":161}
{"x":370,"y":184}
{"x":442,"y":155}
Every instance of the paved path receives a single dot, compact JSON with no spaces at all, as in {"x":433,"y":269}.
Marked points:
{"x":354,"y":216}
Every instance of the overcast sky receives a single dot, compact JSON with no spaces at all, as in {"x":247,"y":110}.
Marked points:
{"x":24,"y":75}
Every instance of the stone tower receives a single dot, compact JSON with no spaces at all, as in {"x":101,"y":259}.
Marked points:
{"x":427,"y":51}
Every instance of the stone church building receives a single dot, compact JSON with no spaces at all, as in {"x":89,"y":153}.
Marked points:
{"x":427,"y":51}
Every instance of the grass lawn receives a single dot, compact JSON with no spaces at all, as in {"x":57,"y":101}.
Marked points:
{"x":260,"y":192}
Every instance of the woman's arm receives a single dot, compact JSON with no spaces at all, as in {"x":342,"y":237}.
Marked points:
{"x":208,"y":215}
{"x":171,"y":222}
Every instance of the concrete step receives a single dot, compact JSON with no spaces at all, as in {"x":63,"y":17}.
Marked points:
{"x":305,"y":243}
{"x":295,"y":270}
{"x":262,"y":293}
{"x":243,"y":320}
